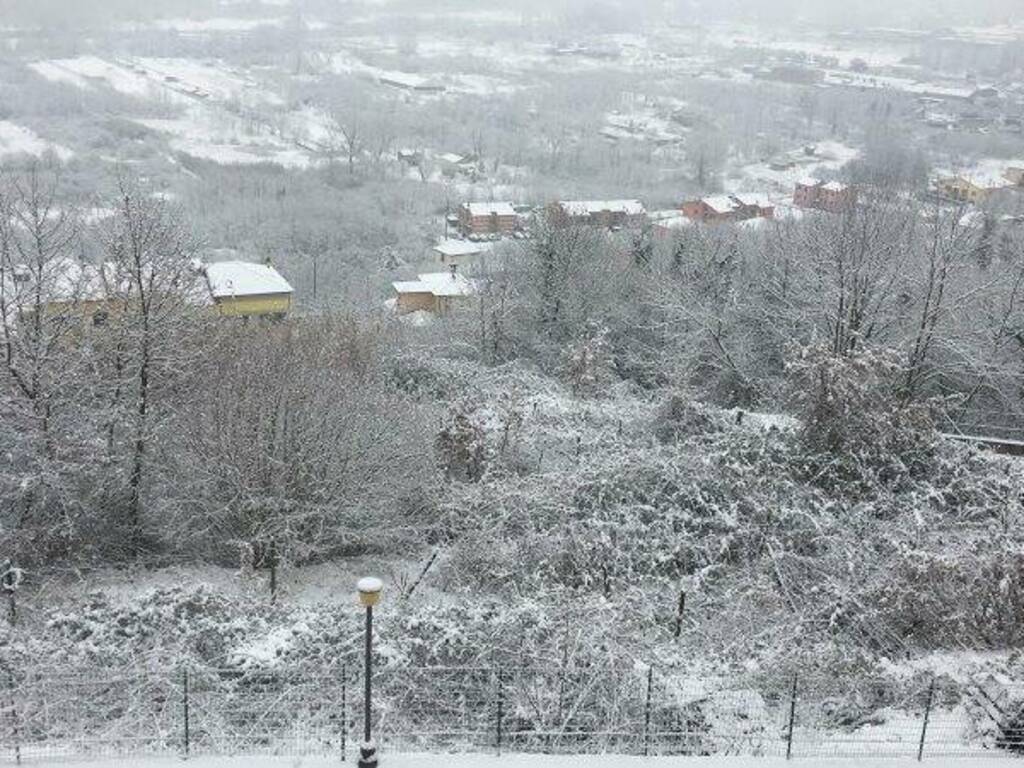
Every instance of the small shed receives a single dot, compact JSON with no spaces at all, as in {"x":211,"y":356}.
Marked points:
{"x":246,"y":289}
{"x":461,"y":253}
{"x":435,"y":292}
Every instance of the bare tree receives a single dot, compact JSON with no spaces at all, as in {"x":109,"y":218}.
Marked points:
{"x":43,"y":288}
{"x":152,"y":280}
{"x":298,"y":441}
{"x":350,"y":131}
{"x":41,"y":285}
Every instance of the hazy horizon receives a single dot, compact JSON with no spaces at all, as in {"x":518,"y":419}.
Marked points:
{"x":922,"y":14}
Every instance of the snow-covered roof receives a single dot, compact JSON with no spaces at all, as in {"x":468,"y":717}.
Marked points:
{"x":757,"y":199}
{"x":986,"y":180}
{"x":808,"y":181}
{"x":720,"y":203}
{"x":461,"y":248}
{"x":68,"y":280}
{"x":665,"y":214}
{"x":678,"y":222}
{"x":243,"y":278}
{"x":834,"y":186}
{"x":590,"y":207}
{"x":409,"y":80}
{"x":451,"y":157}
{"x":490,"y":209}
{"x":438,"y":284}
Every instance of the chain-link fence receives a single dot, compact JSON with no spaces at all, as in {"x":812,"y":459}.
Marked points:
{"x":635,"y":710}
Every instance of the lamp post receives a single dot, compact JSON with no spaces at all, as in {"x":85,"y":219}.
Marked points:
{"x":369,"y":593}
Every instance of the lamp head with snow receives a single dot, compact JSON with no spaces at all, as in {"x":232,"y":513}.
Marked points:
{"x":369,"y":590}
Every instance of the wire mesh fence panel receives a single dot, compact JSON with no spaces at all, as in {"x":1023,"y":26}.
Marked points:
{"x":561,"y":711}
{"x":621,"y":710}
{"x":252,"y":711}
{"x":853,"y":718}
{"x":96,"y":715}
{"x":445,"y":709}
{"x":982,"y":718}
{"x":713,"y":717}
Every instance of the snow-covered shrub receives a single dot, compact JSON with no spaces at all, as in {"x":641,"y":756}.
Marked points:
{"x":166,"y":627}
{"x":972,"y":594}
{"x":588,"y":364}
{"x":856,"y":426}
{"x":460,"y":448}
{"x":297,"y":442}
{"x":680,"y":417}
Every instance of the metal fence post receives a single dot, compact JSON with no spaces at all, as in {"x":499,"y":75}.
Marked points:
{"x":927,"y":713}
{"x":501,"y":712}
{"x":344,"y":711}
{"x":792,"y":720}
{"x":13,"y":712}
{"x":185,"y":710}
{"x":647,"y":711}
{"x":680,"y":612}
{"x":272,"y":555}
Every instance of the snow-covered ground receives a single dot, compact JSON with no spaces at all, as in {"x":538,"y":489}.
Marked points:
{"x":872,"y":81}
{"x":988,"y":171}
{"x":546,"y":761}
{"x":509,"y":57}
{"x":828,"y":156}
{"x":88,"y":71}
{"x":880,"y":56}
{"x":18,"y":140}
{"x":311,"y":585}
{"x":646,"y":124}
{"x":347,"y":62}
{"x":210,"y":136}
{"x":165,"y":79}
{"x":874,"y":54}
{"x":214,"y":78}
{"x":225,"y":24}
{"x":211,"y":98}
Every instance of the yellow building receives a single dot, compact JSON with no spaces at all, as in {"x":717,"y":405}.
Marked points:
{"x":971,"y":188}
{"x":89,"y":294}
{"x":63,"y":288}
{"x":245,"y":289}
{"x":1015,"y":175}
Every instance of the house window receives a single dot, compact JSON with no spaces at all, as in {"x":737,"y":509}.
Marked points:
{"x":100,"y":317}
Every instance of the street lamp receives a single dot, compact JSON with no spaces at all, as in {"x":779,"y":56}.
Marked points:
{"x":369,"y":593}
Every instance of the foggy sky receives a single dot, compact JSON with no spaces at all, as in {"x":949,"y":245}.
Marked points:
{"x":926,"y":14}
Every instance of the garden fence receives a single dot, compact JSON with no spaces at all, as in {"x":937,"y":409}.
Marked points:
{"x":629,"y":710}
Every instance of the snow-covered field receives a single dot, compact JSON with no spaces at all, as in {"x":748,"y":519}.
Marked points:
{"x":880,"y":56}
{"x":218,"y":138}
{"x":224,"y":24}
{"x":17,"y":140}
{"x":547,"y":761}
{"x":88,"y":71}
{"x":828,"y":156}
{"x":346,"y":62}
{"x":214,"y":78}
{"x":644,"y":124}
{"x":211,"y":98}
